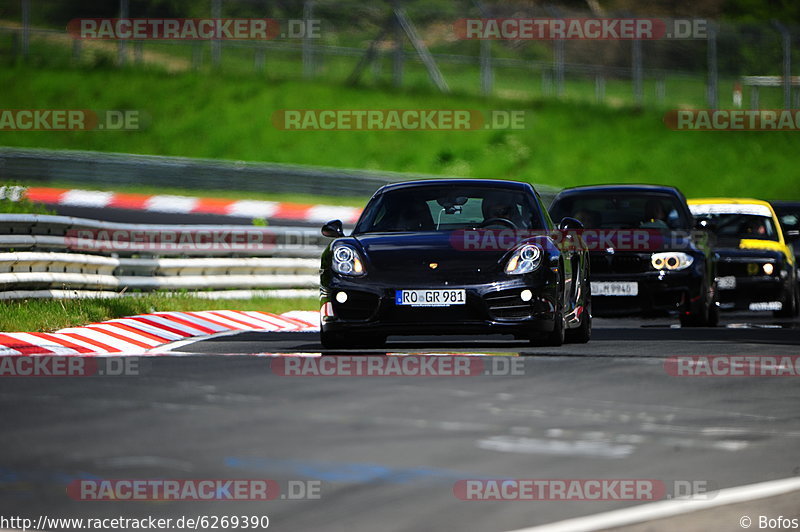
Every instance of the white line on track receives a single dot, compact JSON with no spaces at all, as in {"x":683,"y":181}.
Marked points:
{"x":661,"y":509}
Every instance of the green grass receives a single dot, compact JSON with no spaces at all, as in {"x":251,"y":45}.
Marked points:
{"x":10,"y":203}
{"x":563,"y":144}
{"x":50,"y":315}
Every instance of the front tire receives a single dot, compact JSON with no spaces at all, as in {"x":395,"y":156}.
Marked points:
{"x":583,"y":333}
{"x":332,"y":340}
{"x":555,"y":338}
{"x":790,"y":308}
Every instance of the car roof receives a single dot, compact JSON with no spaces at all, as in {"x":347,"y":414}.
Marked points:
{"x":497,"y":183}
{"x":731,"y":201}
{"x":664,"y":189}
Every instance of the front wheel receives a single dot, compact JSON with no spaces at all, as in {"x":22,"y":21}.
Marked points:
{"x":790,"y":308}
{"x":332,"y":340}
{"x":707,"y":315}
{"x":555,"y":338}
{"x":583,"y":333}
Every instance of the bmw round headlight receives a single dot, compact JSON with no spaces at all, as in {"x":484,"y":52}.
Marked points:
{"x":671,"y":260}
{"x":347,"y":261}
{"x":525,"y":259}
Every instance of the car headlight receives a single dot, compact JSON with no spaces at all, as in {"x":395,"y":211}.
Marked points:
{"x":768,"y":268}
{"x":347,"y":261}
{"x":524,"y":260}
{"x":671,"y":260}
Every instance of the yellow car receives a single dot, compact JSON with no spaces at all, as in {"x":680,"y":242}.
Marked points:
{"x":756,"y":268}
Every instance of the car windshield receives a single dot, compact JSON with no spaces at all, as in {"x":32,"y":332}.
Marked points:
{"x":730,"y":228}
{"x":449,"y":208}
{"x":789,"y":217}
{"x":622,"y":211}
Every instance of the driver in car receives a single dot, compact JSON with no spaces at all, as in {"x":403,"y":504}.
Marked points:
{"x":654,"y":215}
{"x":501,"y":205}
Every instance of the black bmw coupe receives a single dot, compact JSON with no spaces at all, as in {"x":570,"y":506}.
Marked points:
{"x":653,"y":257}
{"x":454,"y":257}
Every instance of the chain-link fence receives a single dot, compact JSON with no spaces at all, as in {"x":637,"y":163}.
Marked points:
{"x":418,"y":45}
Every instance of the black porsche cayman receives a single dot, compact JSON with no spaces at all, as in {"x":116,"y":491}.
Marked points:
{"x":454,"y":257}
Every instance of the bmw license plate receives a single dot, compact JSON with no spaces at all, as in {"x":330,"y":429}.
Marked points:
{"x":615,"y":288}
{"x":726,"y":283}
{"x":430,"y":298}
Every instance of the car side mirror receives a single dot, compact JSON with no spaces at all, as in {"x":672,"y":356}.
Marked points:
{"x":333,"y":229}
{"x":567,"y":224}
{"x":705,"y":224}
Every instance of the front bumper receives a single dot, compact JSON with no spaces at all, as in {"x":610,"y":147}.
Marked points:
{"x":753,"y":289}
{"x":658,"y":292}
{"x":494,"y":307}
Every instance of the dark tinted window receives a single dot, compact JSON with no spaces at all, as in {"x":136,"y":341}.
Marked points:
{"x":623,"y":211}
{"x":434,"y":208}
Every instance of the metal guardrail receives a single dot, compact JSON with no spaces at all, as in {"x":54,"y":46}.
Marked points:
{"x":109,"y":169}
{"x":41,"y":232}
{"x":46,"y":256}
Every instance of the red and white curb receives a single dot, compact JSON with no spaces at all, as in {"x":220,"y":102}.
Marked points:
{"x":152,"y":332}
{"x":192,"y":205}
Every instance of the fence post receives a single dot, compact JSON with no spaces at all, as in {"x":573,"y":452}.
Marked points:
{"x":397,"y":64}
{"x":712,"y":90}
{"x":197,"y":55}
{"x":216,"y":45}
{"x":259,"y":59}
{"x":486,"y":56}
{"x":486,"y":67}
{"x":786,"y":38}
{"x":308,"y":51}
{"x":547,"y":82}
{"x":599,"y":87}
{"x":661,"y":89}
{"x":122,"y":45}
{"x":76,"y":49}
{"x":26,"y":27}
{"x":559,"y":54}
{"x":637,"y":71}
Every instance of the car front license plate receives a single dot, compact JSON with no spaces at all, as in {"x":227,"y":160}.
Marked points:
{"x":726,"y":283}
{"x":615,"y":288}
{"x":430,"y":298}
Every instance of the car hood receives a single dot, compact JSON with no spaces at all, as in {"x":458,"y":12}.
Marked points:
{"x":751,"y":248}
{"x":414,"y":253}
